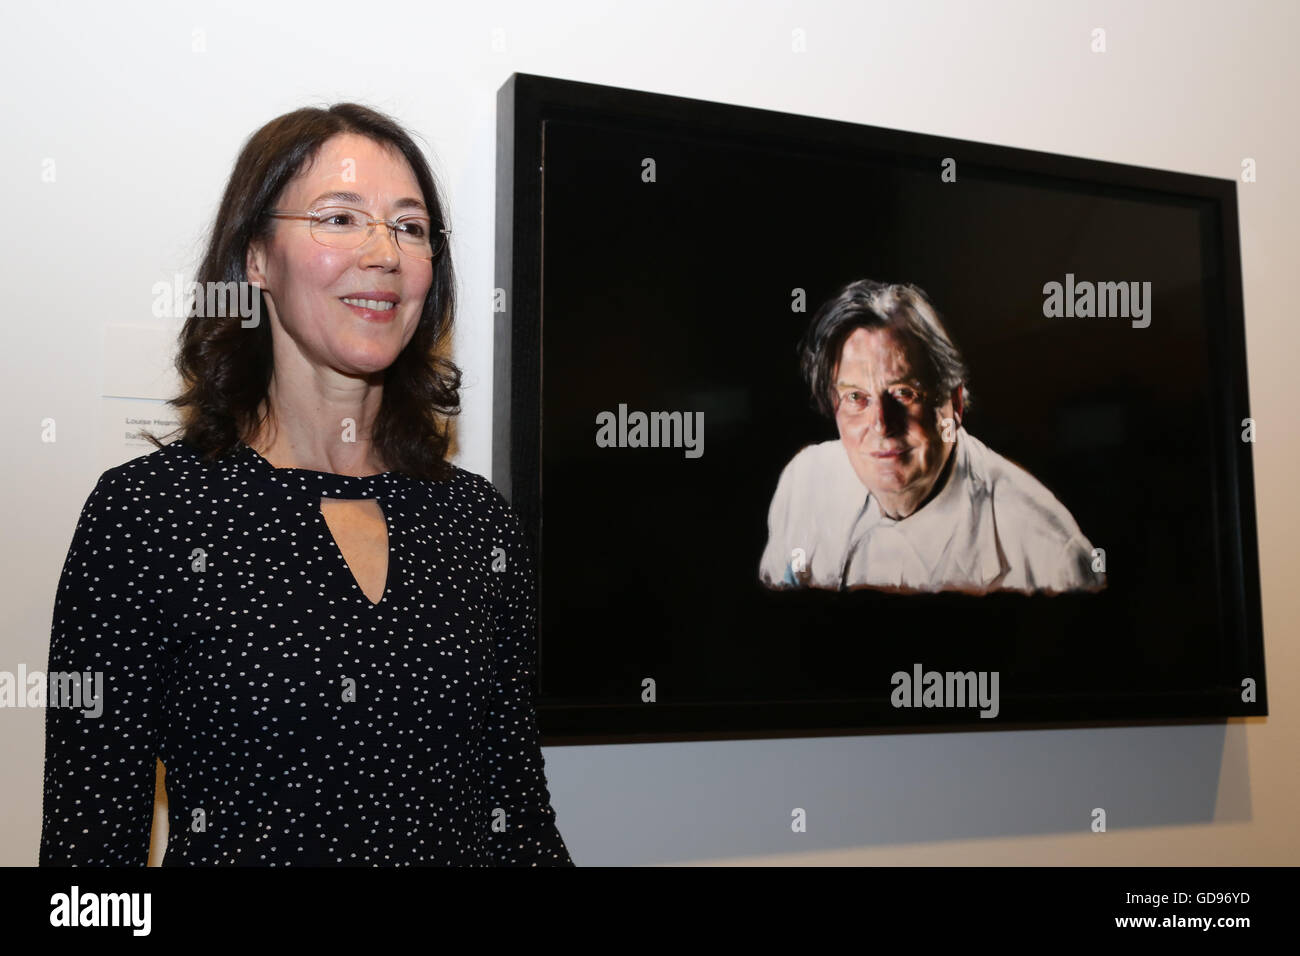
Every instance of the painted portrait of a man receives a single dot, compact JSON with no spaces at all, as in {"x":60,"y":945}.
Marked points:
{"x":906,"y":499}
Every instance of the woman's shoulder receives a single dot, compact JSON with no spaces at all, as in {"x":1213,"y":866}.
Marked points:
{"x":154,"y":492}
{"x":476,"y":493}
{"x":133,"y":509}
{"x":171,"y":468}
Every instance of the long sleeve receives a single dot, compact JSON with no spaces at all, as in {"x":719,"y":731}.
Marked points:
{"x":99,"y":769}
{"x":512,"y":764}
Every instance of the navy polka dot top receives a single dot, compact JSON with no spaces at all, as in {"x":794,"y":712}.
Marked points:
{"x":299,"y":723}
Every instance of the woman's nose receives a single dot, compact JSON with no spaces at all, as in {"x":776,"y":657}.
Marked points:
{"x":382,"y":241}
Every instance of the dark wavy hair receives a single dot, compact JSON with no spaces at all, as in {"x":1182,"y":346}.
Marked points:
{"x":225,"y":368}
{"x":877,"y":305}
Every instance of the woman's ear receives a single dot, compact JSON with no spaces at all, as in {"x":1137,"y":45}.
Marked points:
{"x":958,"y":409}
{"x":255,"y":264}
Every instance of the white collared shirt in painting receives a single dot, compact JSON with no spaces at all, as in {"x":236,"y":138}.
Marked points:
{"x":993,"y":526}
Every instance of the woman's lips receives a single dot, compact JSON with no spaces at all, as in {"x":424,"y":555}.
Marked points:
{"x":895,"y":453}
{"x":372,"y":315}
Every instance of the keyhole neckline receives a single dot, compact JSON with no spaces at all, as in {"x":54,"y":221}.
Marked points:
{"x":390,"y":556}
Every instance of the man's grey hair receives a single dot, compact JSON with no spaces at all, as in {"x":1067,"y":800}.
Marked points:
{"x":876,"y":305}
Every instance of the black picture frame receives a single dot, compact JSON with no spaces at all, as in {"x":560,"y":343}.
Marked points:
{"x":527,"y":103}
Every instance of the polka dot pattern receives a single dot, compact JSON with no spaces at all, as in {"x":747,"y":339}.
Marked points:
{"x":300,"y":724}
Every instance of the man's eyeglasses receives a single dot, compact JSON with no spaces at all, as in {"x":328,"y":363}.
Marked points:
{"x":341,"y":227}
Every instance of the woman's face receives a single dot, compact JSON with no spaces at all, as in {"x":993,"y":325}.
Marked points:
{"x":306,"y":282}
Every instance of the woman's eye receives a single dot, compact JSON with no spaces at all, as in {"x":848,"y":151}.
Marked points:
{"x":416,"y":230}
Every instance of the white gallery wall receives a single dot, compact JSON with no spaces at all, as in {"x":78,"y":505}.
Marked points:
{"x":122,"y":121}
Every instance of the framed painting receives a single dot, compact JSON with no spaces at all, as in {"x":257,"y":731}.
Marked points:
{"x":823,"y":428}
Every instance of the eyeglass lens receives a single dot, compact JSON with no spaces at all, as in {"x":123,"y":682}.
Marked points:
{"x":348,"y":228}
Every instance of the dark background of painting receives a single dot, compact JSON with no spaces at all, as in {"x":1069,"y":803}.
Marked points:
{"x":675,"y":296}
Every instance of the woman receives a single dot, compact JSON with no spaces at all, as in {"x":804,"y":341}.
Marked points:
{"x":322,"y":628}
